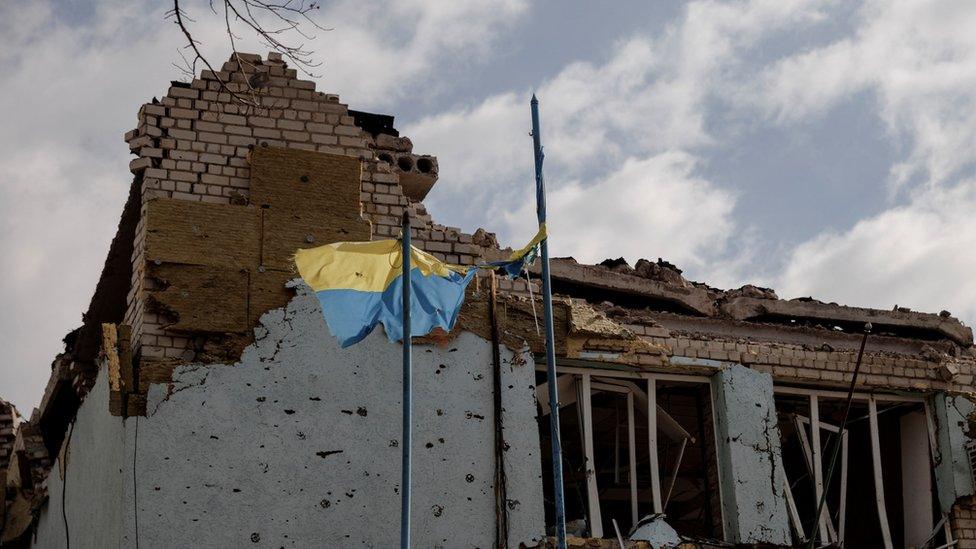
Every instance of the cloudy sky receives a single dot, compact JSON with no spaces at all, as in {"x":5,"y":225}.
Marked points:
{"x":821,"y":147}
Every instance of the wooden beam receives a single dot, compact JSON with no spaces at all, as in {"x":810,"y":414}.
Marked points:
{"x":933,"y":452}
{"x":808,"y":458}
{"x":916,"y":484}
{"x":718,"y":463}
{"x":632,"y":451}
{"x":823,"y":425}
{"x":674,"y":472}
{"x":879,"y":496}
{"x":652,"y":445}
{"x":795,"y":521}
{"x":110,"y":353}
{"x":842,"y":518}
{"x":616,"y":447}
{"x":840,"y":395}
{"x":622,"y":374}
{"x":566,"y":386}
{"x":801,"y":433}
{"x":592,"y":493}
{"x":667,"y":424}
{"x":817,"y":462}
{"x":838,"y":535}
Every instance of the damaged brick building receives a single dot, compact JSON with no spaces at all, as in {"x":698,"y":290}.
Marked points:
{"x":204,"y":403}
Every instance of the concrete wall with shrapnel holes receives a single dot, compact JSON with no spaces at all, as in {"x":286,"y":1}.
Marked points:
{"x":298,"y":445}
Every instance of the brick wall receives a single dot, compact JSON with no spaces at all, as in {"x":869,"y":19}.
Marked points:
{"x":963,"y":522}
{"x":193,"y":144}
{"x":8,"y":422}
{"x":824,"y":368}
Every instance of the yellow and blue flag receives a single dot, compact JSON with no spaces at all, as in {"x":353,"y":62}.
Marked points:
{"x":360,"y":285}
{"x":515,"y":263}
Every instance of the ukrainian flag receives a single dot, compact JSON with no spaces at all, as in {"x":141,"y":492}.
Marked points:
{"x":360,"y":285}
{"x":515,"y":263}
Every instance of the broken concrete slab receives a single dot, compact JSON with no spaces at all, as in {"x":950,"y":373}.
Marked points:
{"x":656,"y":532}
{"x":753,"y":331}
{"x":750,"y":462}
{"x":749,"y":308}
{"x":693,"y":299}
{"x":953,"y":471}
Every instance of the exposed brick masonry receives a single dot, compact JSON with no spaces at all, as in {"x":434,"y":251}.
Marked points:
{"x":194,"y":144}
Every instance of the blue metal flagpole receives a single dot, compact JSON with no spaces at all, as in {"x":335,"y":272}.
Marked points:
{"x":557,"y":452}
{"x":407,"y":392}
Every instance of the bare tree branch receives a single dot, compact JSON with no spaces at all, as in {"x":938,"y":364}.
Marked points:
{"x":272,"y":21}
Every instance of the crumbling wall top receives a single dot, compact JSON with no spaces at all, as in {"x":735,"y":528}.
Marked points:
{"x":660,"y":286}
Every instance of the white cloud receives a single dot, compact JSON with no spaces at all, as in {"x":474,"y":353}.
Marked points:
{"x":649,"y":204}
{"x":370,"y":52}
{"x":642,"y":114}
{"x":72,"y":92}
{"x":380,"y":52}
{"x":918,"y":59}
{"x":623,"y":139}
{"x":919,"y":255}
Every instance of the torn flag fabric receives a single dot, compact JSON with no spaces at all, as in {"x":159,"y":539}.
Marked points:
{"x":516,"y":261}
{"x":360,"y":285}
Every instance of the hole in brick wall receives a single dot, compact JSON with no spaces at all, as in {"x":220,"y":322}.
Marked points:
{"x":259,"y":79}
{"x":384,"y":157}
{"x":425,"y":165}
{"x":54,"y":422}
{"x":405,"y":163}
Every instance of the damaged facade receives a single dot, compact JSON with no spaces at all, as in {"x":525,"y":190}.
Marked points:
{"x":204,"y":403}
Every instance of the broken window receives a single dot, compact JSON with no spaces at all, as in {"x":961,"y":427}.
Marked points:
{"x":618,"y":466}
{"x":882,"y":490}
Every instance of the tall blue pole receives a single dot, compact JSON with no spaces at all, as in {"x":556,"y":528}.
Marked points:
{"x":557,"y":451}
{"x":407,"y":392}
